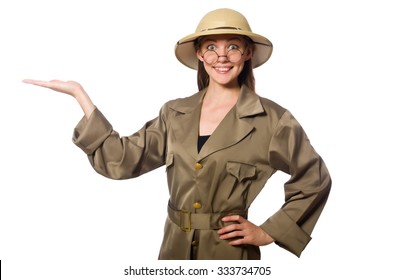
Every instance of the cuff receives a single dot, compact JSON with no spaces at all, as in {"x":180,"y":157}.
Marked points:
{"x":90,"y":133}
{"x":286,"y":233}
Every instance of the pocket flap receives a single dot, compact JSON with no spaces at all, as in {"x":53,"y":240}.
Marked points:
{"x":240,"y":170}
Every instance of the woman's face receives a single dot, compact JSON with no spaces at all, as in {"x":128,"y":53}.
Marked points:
{"x":223,"y":57}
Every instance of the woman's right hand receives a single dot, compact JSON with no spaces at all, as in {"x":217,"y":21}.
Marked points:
{"x":69,"y":87}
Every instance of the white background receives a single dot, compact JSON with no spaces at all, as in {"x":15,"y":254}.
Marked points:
{"x":331,"y":67}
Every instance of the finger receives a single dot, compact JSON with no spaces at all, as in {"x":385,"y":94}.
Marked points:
{"x":239,"y":241}
{"x":30,"y":81}
{"x":233,"y":218}
{"x":232,"y":234}
{"x":229,"y":228}
{"x":37,"y":82}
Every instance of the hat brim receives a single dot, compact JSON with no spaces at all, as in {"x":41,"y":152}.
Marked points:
{"x":185,"y":50}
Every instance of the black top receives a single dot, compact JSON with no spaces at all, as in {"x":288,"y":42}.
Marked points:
{"x":201,"y":141}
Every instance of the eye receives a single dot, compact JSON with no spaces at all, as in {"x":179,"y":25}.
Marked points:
{"x":211,"y":47}
{"x":233,"y":47}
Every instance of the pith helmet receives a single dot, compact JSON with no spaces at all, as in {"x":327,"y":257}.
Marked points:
{"x":222,"y":21}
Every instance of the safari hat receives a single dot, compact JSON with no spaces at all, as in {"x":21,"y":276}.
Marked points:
{"x":222,"y":21}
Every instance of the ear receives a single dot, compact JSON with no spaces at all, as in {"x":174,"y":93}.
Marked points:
{"x":249,"y":53}
{"x":199,"y":55}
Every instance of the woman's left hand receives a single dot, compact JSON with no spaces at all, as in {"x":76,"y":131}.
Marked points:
{"x":243,"y":232}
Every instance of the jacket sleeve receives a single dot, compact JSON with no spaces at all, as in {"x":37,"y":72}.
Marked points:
{"x":118,"y":157}
{"x":306,"y":191}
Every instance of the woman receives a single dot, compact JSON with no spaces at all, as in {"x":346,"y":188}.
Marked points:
{"x":220,"y":146}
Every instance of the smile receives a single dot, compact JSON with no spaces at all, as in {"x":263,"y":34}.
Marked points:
{"x":222,"y":69}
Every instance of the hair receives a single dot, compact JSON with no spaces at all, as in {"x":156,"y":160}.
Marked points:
{"x":246,"y":77}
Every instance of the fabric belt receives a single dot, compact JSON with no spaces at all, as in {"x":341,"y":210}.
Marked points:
{"x":187,"y":220}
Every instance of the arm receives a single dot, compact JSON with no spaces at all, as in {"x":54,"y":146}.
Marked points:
{"x":307,"y":190}
{"x":122,"y":157}
{"x":110,"y":154}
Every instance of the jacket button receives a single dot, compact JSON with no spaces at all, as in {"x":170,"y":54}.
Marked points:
{"x":197,"y":205}
{"x":198,"y":165}
{"x":195,"y":243}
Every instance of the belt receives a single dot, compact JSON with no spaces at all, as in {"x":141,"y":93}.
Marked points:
{"x":187,"y":220}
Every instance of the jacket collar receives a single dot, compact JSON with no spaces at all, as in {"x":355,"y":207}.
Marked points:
{"x":233,"y":128}
{"x":247,"y":105}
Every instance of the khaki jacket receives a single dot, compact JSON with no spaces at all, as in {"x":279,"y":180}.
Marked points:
{"x":255,"y":139}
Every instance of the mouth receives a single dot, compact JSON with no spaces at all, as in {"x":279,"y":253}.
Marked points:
{"x":222,"y":69}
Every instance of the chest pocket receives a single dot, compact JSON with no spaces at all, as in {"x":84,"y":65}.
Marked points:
{"x":241,"y":171}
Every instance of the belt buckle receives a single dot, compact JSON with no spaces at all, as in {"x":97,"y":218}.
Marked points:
{"x":187,"y":214}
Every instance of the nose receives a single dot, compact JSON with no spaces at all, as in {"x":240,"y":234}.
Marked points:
{"x":222,"y":56}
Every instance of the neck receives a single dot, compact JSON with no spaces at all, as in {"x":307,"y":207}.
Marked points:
{"x":221,"y":94}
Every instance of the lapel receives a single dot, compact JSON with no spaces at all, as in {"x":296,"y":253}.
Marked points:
{"x":232,"y":129}
{"x":185,"y":125}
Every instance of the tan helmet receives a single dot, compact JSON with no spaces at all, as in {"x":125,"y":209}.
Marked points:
{"x":222,"y":21}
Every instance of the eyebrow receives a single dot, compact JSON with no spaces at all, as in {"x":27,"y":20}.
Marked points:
{"x":227,"y":40}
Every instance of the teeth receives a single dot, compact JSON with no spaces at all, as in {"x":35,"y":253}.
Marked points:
{"x":223,"y":69}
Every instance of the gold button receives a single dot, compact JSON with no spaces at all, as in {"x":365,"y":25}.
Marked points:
{"x":198,"y":165}
{"x":195,"y":243}
{"x":197,"y":205}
